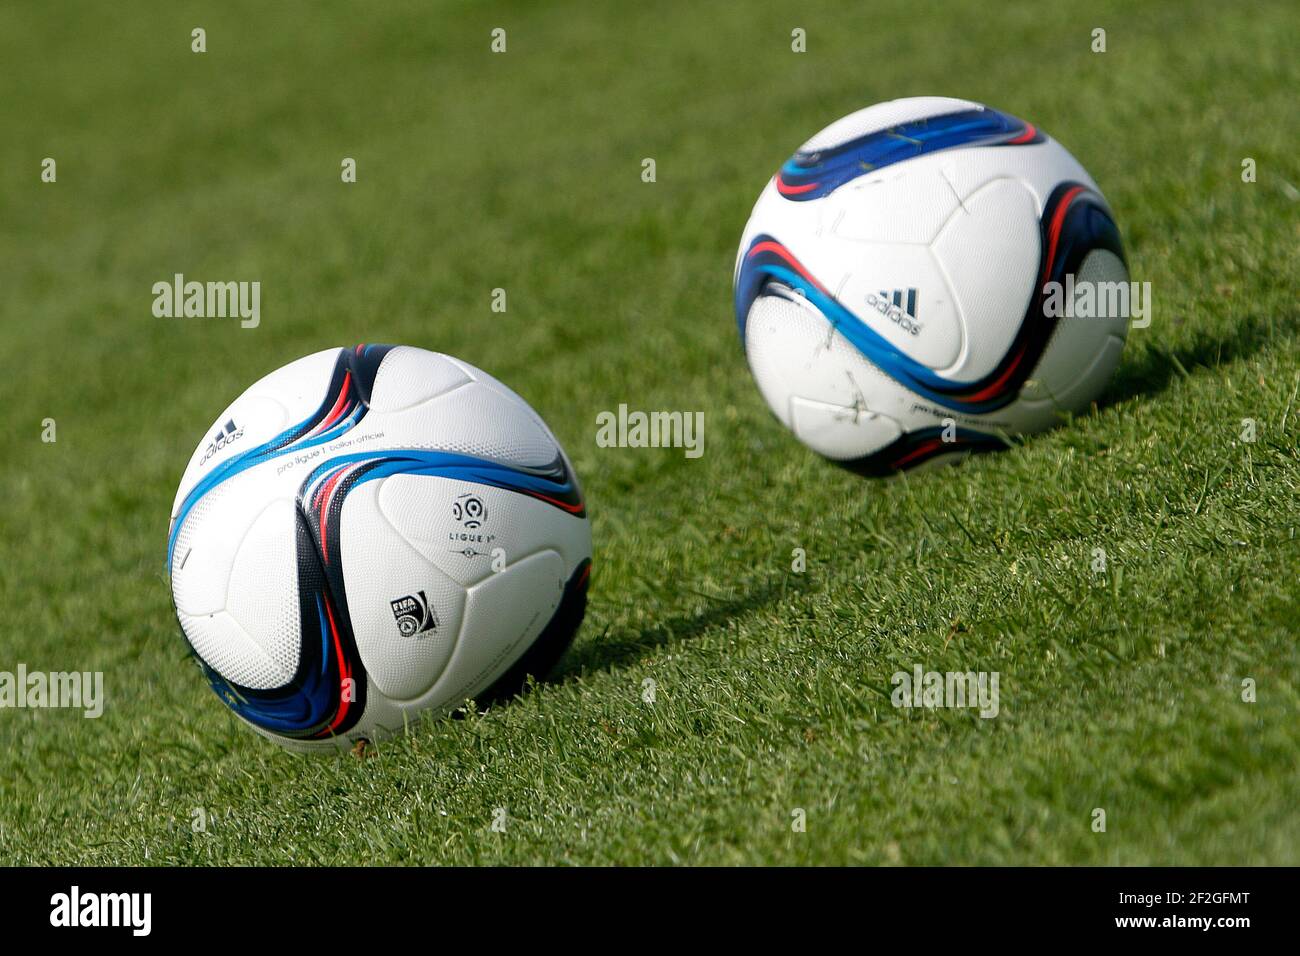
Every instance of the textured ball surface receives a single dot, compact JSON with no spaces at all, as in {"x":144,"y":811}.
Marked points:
{"x":891,"y":283}
{"x":369,"y":533}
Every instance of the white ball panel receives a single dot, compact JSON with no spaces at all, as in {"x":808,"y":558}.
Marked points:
{"x":205,"y":549}
{"x":269,"y":406}
{"x":409,"y":377}
{"x":1067,"y":373}
{"x":380,"y":567}
{"x":232,"y":652}
{"x":906,"y":202}
{"x":473,"y":419}
{"x":817,"y":383}
{"x":263,"y":591}
{"x":1036,"y":410}
{"x":990,"y":253}
{"x":521,"y":406}
{"x":865,"y":270}
{"x":840,"y":433}
{"x":201,"y":588}
{"x":420,"y":509}
{"x":1039,"y":167}
{"x":503,"y":615}
{"x":782,"y":339}
{"x":211,"y":535}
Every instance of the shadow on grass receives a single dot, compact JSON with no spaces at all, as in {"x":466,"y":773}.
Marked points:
{"x":610,"y":652}
{"x":1150,"y":370}
{"x":1144,"y":372}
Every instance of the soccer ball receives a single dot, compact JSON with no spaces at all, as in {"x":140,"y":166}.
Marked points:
{"x":373,"y":532}
{"x":895,"y":282}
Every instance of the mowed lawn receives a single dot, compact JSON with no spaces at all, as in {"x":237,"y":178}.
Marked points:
{"x":1120,"y":690}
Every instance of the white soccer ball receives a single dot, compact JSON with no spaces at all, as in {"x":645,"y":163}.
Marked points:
{"x":370,"y":533}
{"x":897,"y":284}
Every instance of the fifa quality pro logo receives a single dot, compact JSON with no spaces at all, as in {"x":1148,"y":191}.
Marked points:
{"x":413,"y":614}
{"x":899,"y":306}
{"x":227,"y":435}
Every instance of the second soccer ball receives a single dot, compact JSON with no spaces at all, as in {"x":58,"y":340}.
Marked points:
{"x":899,"y":285}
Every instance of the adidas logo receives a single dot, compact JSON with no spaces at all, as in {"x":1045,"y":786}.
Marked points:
{"x":896,"y":297}
{"x":225,"y":436}
{"x":899,"y":306}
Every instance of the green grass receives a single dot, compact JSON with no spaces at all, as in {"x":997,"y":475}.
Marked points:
{"x":1119,"y":690}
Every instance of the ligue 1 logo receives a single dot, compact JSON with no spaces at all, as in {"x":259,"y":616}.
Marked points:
{"x":469,"y":510}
